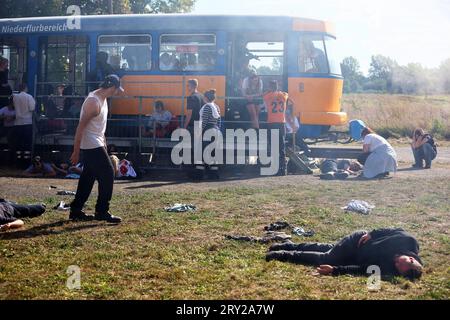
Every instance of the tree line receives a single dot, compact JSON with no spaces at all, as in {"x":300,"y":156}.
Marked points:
{"x":387,"y":76}
{"x":40,"y":8}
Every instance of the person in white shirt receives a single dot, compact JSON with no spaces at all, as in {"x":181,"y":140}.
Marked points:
{"x":379,"y":157}
{"x":90,"y":138}
{"x":25,"y":105}
{"x":292,"y":123}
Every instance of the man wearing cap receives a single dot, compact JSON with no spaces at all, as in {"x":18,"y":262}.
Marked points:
{"x":90,"y":138}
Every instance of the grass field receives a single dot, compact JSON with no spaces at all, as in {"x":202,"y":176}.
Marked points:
{"x":397,"y":115}
{"x":159,"y":255}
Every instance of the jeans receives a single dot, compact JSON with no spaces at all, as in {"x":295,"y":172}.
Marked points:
{"x":281,"y":143}
{"x":96,"y":166}
{"x":424,"y":153}
{"x":342,"y":253}
{"x":30,"y":211}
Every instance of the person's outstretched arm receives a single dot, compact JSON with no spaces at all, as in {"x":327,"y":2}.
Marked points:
{"x":12,"y":225}
{"x":327,"y":270}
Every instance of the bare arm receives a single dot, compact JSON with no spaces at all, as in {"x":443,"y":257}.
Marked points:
{"x":188,"y":118}
{"x":366,"y":148}
{"x":91,"y":110}
{"x":12,"y":225}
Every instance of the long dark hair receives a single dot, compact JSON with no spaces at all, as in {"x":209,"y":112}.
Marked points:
{"x":366,"y":131}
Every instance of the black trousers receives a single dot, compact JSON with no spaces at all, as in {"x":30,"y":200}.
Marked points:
{"x":281,"y":143}
{"x":342,"y":253}
{"x":29,"y":211}
{"x":23,"y":137}
{"x":96,"y":166}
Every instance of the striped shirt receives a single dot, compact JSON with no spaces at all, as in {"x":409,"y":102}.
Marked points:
{"x":209,"y":117}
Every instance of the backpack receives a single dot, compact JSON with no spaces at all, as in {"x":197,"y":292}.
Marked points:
{"x":432,"y":142}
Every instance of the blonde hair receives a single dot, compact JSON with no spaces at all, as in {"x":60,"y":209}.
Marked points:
{"x":115,"y":162}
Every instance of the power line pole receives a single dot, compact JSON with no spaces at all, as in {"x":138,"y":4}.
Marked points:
{"x":111,"y":6}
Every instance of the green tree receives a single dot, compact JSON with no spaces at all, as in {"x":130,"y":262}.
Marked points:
{"x":381,"y":72}
{"x":162,"y":6}
{"x":39,"y":8}
{"x":353,"y":77}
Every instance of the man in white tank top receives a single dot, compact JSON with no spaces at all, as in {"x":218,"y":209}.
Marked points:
{"x":90,"y":138}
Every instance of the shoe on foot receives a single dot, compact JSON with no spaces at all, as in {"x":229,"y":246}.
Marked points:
{"x":327,"y":176}
{"x":108,"y":217}
{"x":417,"y":166}
{"x":276,"y":255}
{"x":281,"y":246}
{"x":342,"y":175}
{"x":80,"y":216}
{"x":428,"y":167}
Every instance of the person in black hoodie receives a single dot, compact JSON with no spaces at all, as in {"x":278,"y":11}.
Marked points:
{"x":394,"y":251}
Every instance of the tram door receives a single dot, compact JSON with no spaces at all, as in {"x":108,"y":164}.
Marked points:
{"x":15,"y":50}
{"x":261,"y":52}
{"x":63,"y":60}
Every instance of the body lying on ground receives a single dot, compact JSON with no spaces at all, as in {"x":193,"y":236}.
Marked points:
{"x":339,"y":169}
{"x":12,"y":213}
{"x":394,"y":251}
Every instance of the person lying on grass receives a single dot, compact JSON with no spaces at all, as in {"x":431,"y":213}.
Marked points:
{"x":394,"y":251}
{"x":39,"y":168}
{"x":12,"y":213}
{"x":339,"y":169}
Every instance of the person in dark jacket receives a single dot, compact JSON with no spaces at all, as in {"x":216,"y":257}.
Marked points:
{"x":394,"y":251}
{"x":12,"y":213}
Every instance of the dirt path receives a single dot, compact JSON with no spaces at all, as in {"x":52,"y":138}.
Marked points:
{"x":13,"y":188}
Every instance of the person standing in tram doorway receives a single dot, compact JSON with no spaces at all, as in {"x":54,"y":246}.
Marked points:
{"x":90,"y":139}
{"x":275,"y":102}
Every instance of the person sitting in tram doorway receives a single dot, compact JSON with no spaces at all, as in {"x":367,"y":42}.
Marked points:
{"x":158,"y":122}
{"x":292,"y":123}
{"x":379,"y":157}
{"x":275,"y":102}
{"x":424,"y":149}
{"x":252,"y":91}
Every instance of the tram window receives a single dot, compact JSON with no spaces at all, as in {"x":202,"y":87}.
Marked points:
{"x":14,"y":49}
{"x":187,"y":52}
{"x":127,"y":52}
{"x":333,"y":59}
{"x":63,"y":59}
{"x":267,"y":57}
{"x":312,"y":58}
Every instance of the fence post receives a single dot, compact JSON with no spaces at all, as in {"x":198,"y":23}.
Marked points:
{"x":183,"y":101}
{"x":140,"y":125}
{"x":34,"y":120}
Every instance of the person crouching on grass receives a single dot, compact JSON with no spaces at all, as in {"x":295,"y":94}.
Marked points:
{"x":424,"y":149}
{"x":90,"y":138}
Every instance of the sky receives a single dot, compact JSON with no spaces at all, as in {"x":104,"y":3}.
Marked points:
{"x":405,"y":30}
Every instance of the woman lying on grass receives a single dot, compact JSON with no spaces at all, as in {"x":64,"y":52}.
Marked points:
{"x":11,"y":214}
{"x":394,"y":251}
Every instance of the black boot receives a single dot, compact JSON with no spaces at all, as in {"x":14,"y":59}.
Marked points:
{"x":79,"y":215}
{"x":108,"y":217}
